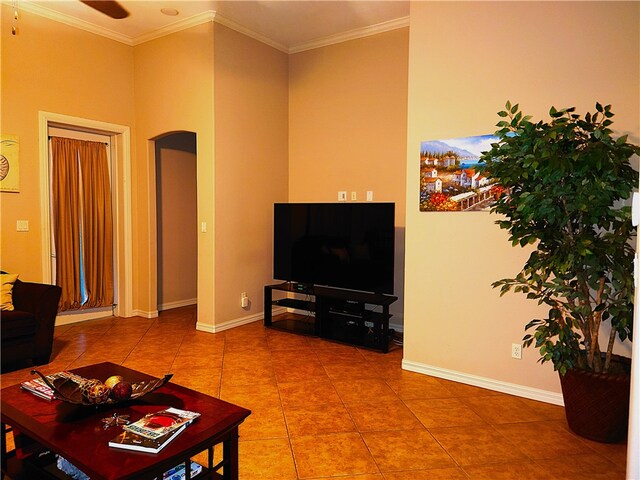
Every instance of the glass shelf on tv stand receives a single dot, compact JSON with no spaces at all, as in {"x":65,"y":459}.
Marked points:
{"x":325,"y":318}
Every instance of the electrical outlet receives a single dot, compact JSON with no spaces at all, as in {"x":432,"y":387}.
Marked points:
{"x":354,"y":196}
{"x":516,"y":351}
{"x":244,"y":300}
{"x":342,"y":196}
{"x":369,"y":196}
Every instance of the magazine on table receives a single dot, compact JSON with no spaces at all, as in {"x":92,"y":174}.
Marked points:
{"x":42,"y":390}
{"x":154,"y":425}
{"x":179,"y":473}
{"x":132,"y":441}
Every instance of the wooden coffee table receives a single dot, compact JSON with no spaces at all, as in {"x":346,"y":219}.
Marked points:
{"x":76,"y":432}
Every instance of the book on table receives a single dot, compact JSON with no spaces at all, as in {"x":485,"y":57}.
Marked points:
{"x":155,"y":425}
{"x":42,"y":390}
{"x":179,"y":473}
{"x":132,"y":441}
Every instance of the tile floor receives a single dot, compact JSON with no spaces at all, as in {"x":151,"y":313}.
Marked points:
{"x":326,"y":410}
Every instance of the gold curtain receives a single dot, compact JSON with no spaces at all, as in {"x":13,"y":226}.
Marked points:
{"x":83,"y":230}
{"x":97,"y":229}
{"x":66,"y":216}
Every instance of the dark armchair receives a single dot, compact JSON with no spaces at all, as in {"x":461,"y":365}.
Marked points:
{"x":27,"y":330}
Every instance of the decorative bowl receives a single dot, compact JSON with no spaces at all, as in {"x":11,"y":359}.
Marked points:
{"x":70,"y":390}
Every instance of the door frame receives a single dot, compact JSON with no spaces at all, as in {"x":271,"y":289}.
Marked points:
{"x":121,"y":164}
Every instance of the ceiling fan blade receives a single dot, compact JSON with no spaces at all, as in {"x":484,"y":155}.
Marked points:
{"x":108,"y":7}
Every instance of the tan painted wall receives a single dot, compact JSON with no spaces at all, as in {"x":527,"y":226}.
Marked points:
{"x":174,"y":92}
{"x":54,"y":68}
{"x":348,"y":120}
{"x":177,"y":209}
{"x":466,"y":60}
{"x":251,"y":100}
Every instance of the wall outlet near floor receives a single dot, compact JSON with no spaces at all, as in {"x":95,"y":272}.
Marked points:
{"x":342,"y":196}
{"x":369,"y":196}
{"x":244,"y":300}
{"x":516,"y":351}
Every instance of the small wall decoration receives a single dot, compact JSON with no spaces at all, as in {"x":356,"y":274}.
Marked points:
{"x":9,"y":166}
{"x":449,"y":181}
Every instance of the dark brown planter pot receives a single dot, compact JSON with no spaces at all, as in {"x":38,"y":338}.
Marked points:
{"x":597,"y":404}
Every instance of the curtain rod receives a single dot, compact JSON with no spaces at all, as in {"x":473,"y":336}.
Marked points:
{"x":104,"y":143}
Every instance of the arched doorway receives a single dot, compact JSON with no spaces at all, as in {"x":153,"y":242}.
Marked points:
{"x":176,"y":220}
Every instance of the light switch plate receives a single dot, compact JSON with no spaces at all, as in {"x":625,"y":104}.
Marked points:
{"x":22,"y":225}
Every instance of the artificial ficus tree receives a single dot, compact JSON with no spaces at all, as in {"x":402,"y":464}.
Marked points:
{"x":566,"y":181}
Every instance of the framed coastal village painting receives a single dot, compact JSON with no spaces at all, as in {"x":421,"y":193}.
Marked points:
{"x":449,"y":180}
{"x":9,"y":171}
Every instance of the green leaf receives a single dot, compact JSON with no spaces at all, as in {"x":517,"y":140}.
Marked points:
{"x":567,"y":178}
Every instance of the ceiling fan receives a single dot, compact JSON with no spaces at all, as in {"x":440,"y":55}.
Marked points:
{"x":109,"y":7}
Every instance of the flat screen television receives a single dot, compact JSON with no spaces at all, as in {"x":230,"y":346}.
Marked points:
{"x":343,"y":245}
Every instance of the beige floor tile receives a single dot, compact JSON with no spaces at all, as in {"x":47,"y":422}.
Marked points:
{"x":363,"y":389}
{"x":251,"y":396}
{"x":550,"y":412}
{"x":534,"y":437}
{"x":329,"y":352}
{"x":394,"y":451}
{"x":477,"y":445}
{"x":443,"y":412}
{"x":265,"y":422}
{"x":350,"y":370}
{"x":415,"y":386}
{"x":302,"y":393}
{"x":332,"y":455}
{"x":368,"y":476}
{"x":303,"y":356}
{"x":614,"y":452}
{"x":585,"y":466}
{"x":204,"y":380}
{"x":318,"y":419}
{"x":382,"y":415}
{"x":463,"y":390}
{"x":299,"y":372}
{"x":503,"y":409}
{"x":266,"y":459}
{"x":431,"y":474}
{"x":286,"y":341}
{"x":247,"y":375}
{"x":526,"y":470}
{"x":387,"y":371}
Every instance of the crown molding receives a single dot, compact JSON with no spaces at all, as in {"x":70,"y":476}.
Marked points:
{"x":351,"y":35}
{"x":73,"y":22}
{"x":195,"y":20}
{"x":212,"y":16}
{"x":250,"y":33}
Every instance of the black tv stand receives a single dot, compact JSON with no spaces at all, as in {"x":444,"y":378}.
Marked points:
{"x":354,"y":317}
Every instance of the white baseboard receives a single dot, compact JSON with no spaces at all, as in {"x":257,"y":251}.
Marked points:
{"x":221,"y":327}
{"x":144,"y":313}
{"x":483,"y":382}
{"x":82,"y":316}
{"x":177,"y":304}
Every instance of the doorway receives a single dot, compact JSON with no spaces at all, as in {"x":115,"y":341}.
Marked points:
{"x":176,"y":211}
{"x":120,"y":159}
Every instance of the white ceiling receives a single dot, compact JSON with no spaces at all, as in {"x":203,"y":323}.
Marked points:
{"x":288,"y":25}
